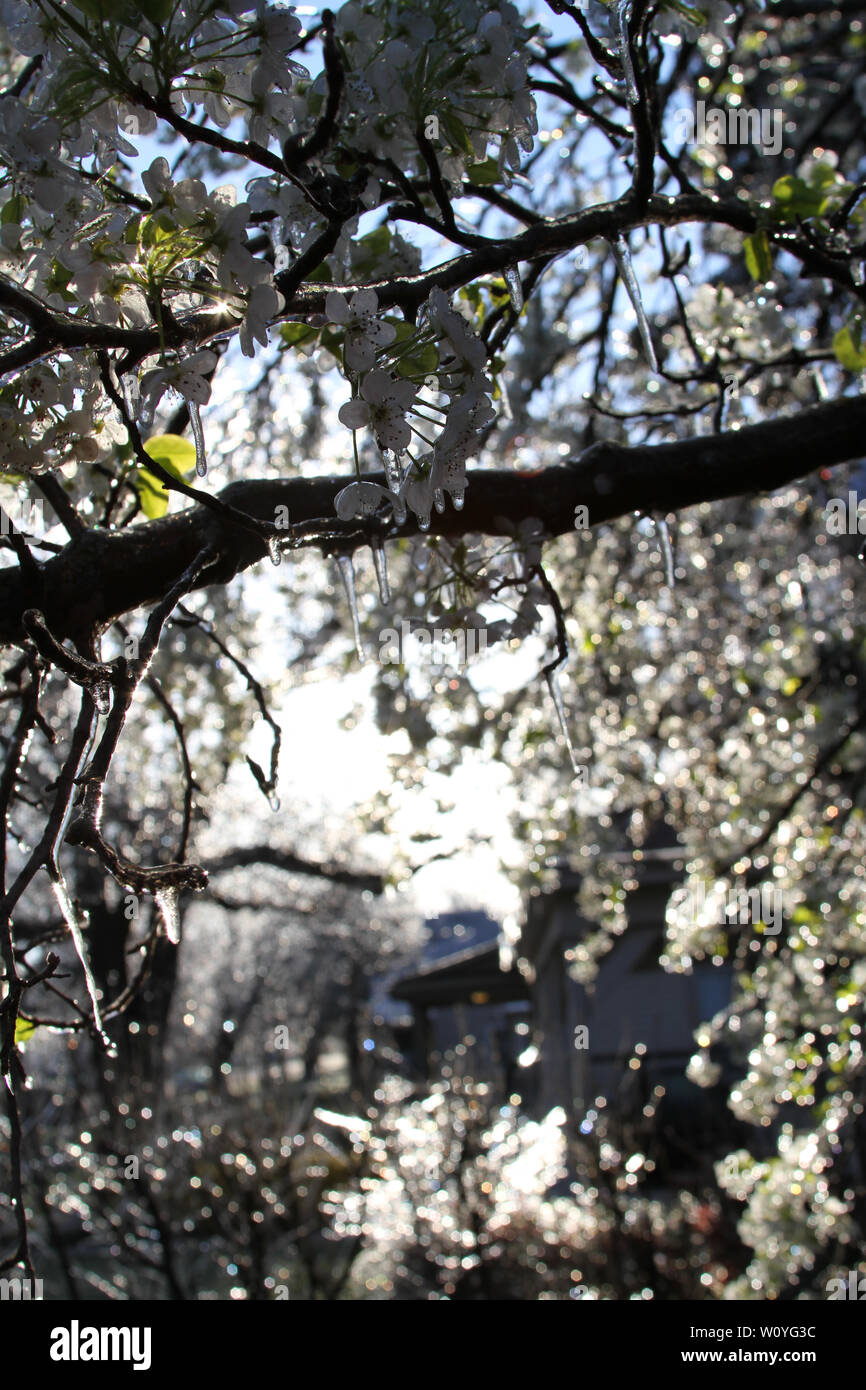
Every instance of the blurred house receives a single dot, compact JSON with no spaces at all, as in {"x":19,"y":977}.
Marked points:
{"x":540,"y":1034}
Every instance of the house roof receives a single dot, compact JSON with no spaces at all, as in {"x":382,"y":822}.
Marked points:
{"x":462,"y":977}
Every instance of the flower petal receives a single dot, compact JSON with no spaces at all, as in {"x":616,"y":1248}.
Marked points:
{"x":336,"y":307}
{"x":354,"y":414}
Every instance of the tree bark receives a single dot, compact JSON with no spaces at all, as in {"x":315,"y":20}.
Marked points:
{"x":99,"y":576}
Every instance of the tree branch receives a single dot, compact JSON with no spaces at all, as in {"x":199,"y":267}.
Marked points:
{"x":98,"y":577}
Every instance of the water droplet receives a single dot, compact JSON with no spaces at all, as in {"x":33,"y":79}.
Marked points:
{"x":556,"y":695}
{"x":458,"y":499}
{"x":274,"y":550}
{"x":347,"y":574}
{"x":381,"y":564}
{"x":198,"y":436}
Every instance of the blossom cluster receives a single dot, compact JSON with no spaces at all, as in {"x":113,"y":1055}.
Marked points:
{"x":384,"y":398}
{"x":75,"y":237}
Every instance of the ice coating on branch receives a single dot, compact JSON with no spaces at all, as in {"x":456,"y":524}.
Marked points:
{"x":556,"y":695}
{"x":274,"y":550}
{"x":198,"y":437}
{"x":381,"y":564}
{"x":515,"y":288}
{"x":77,"y":920}
{"x":622,"y":256}
{"x":664,"y":536}
{"x":623,"y":15}
{"x":347,"y":574}
{"x":102,"y":697}
{"x":166,"y":901}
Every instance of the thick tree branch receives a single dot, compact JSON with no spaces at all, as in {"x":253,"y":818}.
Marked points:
{"x":98,"y":577}
{"x":293,"y":864}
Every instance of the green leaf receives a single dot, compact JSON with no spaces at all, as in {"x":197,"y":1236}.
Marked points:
{"x":484,"y":174}
{"x":294,"y":334}
{"x":321,"y":274}
{"x":177,"y":456}
{"x":846,"y":346}
{"x":421,"y":363}
{"x":23,"y":1030}
{"x":14,"y":210}
{"x":499,"y":291}
{"x":796,"y":198}
{"x":759,"y":260}
{"x":699,"y":18}
{"x":458,"y":136}
{"x":403,"y":330}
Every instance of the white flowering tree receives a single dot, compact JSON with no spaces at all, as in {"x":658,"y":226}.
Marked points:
{"x":266,"y":290}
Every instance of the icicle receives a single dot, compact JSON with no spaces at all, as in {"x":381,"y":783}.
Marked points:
{"x":273,"y":801}
{"x":166,"y":901}
{"x":279,"y":238}
{"x":399,"y":506}
{"x":381,"y":564}
{"x":439,"y":500}
{"x":820,"y":384}
{"x":102,"y":697}
{"x":393,"y":475}
{"x":347,"y":574}
{"x":622,"y":256}
{"x":76,"y":921}
{"x":515,"y":288}
{"x":622,"y":20}
{"x":664,"y":536}
{"x":556,"y":695}
{"x":458,"y":499}
{"x":141,"y":408}
{"x":424,"y":521}
{"x":198,"y":436}
{"x":274,"y":550}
